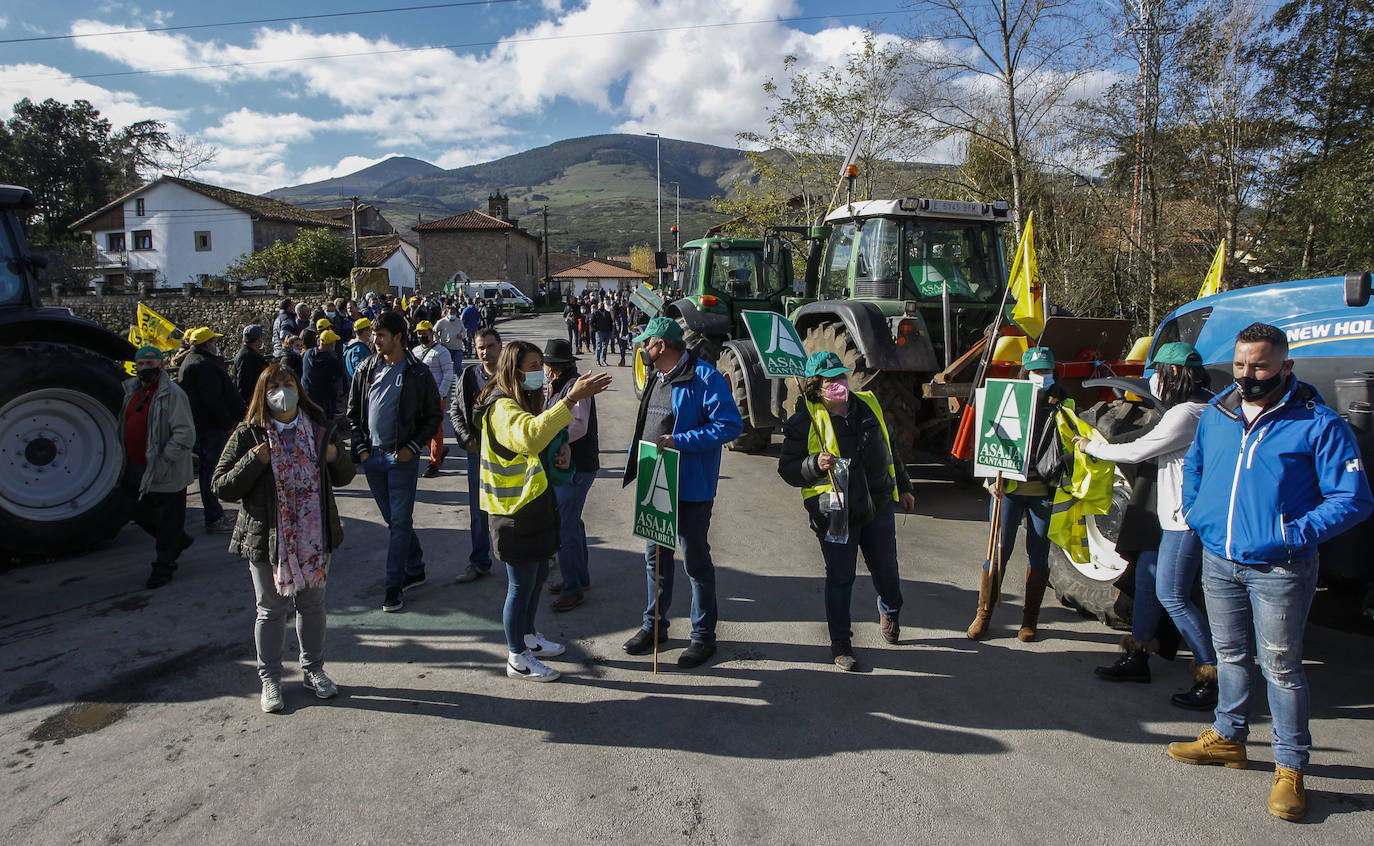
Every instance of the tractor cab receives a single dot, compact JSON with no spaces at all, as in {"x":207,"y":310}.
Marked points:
{"x":724,"y":276}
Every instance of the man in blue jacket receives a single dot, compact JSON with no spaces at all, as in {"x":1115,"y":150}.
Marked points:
{"x":1272,"y":473}
{"x":687,"y":406}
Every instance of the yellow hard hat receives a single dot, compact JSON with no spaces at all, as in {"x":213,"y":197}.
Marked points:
{"x":201,"y":334}
{"x":323,"y":323}
{"x":424,"y":326}
{"x":328,"y":336}
{"x":361,"y":323}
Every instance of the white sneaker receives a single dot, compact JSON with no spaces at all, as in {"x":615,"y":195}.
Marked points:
{"x":536,"y":644}
{"x":526,"y":666}
{"x":271,"y":696}
{"x":323,"y":685}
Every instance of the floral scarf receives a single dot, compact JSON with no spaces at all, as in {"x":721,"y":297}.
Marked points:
{"x":301,"y":554}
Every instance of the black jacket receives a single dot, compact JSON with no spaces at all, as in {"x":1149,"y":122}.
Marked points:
{"x":215,"y":401}
{"x":462,"y":403}
{"x":586,"y":450}
{"x":860,"y":439}
{"x":420,"y":416}
{"x":601,"y":321}
{"x":530,"y":534}
{"x":324,"y":379}
{"x":248,"y":366}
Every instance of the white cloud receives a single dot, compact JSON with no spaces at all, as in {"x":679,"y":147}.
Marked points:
{"x":39,"y":82}
{"x":345,"y":166}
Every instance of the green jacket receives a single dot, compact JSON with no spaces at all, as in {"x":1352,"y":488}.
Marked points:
{"x":240,"y":477}
{"x":171,"y":437}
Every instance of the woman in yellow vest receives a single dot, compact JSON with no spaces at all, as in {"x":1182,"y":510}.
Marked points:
{"x":838,"y":451}
{"x":515,"y":492}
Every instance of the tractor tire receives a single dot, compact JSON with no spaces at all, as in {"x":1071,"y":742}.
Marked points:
{"x":706,"y":347}
{"x":752,"y":438}
{"x":895,"y":391}
{"x":61,"y":457}
{"x":641,"y":372}
{"x":1090,"y":588}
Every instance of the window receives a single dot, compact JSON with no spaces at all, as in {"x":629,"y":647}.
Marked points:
{"x":143,"y":239}
{"x":139,"y":208}
{"x":202,"y":242}
{"x":963,"y":257}
{"x":835,"y":278}
{"x":115,"y":242}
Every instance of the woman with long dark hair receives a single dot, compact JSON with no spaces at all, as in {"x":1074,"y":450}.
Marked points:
{"x":1181,"y":383}
{"x":514,"y":490}
{"x":283,"y":463}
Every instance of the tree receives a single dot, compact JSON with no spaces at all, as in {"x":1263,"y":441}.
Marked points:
{"x":60,"y":153}
{"x":813,"y":120}
{"x":315,"y":255}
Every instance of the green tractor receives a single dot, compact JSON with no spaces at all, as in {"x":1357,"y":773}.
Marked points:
{"x":721,"y":278}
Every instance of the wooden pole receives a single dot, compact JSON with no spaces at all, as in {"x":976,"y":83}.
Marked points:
{"x":658,"y":551}
{"x":995,"y":544}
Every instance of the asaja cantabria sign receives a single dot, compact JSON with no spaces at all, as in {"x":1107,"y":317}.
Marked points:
{"x":656,"y":494}
{"x":1006,"y":412}
{"x":780,"y":347}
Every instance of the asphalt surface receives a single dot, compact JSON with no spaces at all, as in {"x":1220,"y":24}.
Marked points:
{"x":131,"y":716}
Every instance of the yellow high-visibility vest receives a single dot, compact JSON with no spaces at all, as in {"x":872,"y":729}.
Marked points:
{"x":821,"y":438}
{"x":507,"y":480}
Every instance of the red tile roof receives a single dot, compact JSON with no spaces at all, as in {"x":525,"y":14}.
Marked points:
{"x":597,"y":269}
{"x":260,"y":208}
{"x":467,"y":220}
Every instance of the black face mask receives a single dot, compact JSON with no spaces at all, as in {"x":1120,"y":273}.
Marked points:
{"x":1252,"y":389}
{"x":148,"y":375}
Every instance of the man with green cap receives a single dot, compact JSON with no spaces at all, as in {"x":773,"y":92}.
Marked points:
{"x":1030,"y":501}
{"x":687,"y":405}
{"x":158,"y":433}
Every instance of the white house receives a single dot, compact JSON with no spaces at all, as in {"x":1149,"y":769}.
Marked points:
{"x":174,"y":231}
{"x":400,"y":257}
{"x":596,"y":275}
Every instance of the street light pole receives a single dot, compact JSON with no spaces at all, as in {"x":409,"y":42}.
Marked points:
{"x":658,"y":194}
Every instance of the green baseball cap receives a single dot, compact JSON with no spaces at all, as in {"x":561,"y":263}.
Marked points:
{"x":1177,"y":352}
{"x":148,"y":353}
{"x":660,"y":327}
{"x":1038,"y":358}
{"x":825,"y":364}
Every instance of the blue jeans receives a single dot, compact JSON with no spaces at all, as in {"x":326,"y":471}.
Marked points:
{"x":1180,"y":560}
{"x":393,"y":486}
{"x":878,"y":540}
{"x":1014,"y":508}
{"x":694,"y":522}
{"x":479,"y":533}
{"x":209,"y":444}
{"x":1146,"y":612}
{"x":572,"y":555}
{"x":603,"y":344}
{"x":572,"y":333}
{"x":1265,"y":604}
{"x":524,"y":581}
{"x":457,"y":356}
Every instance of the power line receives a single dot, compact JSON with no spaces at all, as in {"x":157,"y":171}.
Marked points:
{"x":469,"y":45}
{"x":252,"y":22}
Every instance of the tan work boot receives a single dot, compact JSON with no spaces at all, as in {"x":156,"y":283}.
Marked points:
{"x":1288,"y":799}
{"x":1210,"y":748}
{"x":979,"y":626}
{"x":1036,"y":583}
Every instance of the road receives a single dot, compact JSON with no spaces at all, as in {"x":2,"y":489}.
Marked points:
{"x":131,"y":716}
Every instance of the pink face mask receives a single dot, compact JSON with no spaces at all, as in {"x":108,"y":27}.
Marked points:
{"x":837,"y":391}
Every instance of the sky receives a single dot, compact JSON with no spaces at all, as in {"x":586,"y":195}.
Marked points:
{"x":458,"y":85}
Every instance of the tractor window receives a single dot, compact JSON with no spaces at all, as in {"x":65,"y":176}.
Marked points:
{"x":739,"y":274}
{"x":1186,"y":327}
{"x":11,"y":275}
{"x":835,"y":280}
{"x":691,"y":272}
{"x":877,"y":258}
{"x":964,"y":257}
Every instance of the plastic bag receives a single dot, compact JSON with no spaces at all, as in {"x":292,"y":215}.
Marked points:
{"x":836,"y":502}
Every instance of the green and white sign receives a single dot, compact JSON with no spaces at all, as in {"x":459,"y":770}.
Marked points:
{"x":780,"y":347}
{"x":656,"y":494}
{"x":1006,"y":415}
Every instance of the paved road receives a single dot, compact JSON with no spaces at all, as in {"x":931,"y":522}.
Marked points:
{"x":131,"y":716}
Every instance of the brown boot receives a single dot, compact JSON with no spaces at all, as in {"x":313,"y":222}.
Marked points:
{"x":1036,"y":581}
{"x":1210,"y":748}
{"x":985,"y":597}
{"x":1288,"y":799}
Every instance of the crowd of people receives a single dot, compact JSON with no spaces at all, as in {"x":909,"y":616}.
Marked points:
{"x":1250,"y":479}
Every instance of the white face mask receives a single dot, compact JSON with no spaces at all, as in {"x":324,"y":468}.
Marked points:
{"x":1157,"y":385}
{"x":282,"y":400}
{"x":1041,"y":381}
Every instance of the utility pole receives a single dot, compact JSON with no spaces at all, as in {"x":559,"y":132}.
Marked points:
{"x":548,"y":283}
{"x":677,"y":222}
{"x":357,"y":253}
{"x":658,"y":194}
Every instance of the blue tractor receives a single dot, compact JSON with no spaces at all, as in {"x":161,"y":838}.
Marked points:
{"x":1330,"y":328}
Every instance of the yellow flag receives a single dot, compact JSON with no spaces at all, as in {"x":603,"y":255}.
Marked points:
{"x":137,"y":340}
{"x":1029,"y":311}
{"x":156,"y":330}
{"x":1212,"y":284}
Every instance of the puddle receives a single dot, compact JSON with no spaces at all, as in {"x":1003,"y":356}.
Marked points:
{"x":81,"y":718}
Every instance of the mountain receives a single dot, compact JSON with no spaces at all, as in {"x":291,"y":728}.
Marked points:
{"x":599,"y":190}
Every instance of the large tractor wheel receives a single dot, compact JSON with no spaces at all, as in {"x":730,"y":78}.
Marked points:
{"x":60,"y":453}
{"x":706,"y":347}
{"x":752,"y":438}
{"x":641,"y":371}
{"x":1090,"y":588}
{"x":896,"y":392}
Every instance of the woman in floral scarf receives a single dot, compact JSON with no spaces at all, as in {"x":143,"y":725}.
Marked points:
{"x":283,"y":463}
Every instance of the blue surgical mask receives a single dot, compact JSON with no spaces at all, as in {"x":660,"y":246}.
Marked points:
{"x":1041,"y":381}
{"x":532,"y":380}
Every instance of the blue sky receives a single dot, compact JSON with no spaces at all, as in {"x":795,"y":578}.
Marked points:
{"x":514,"y":75}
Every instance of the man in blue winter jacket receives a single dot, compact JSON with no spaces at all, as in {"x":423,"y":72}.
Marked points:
{"x":687,"y":405}
{"x":1272,"y":473}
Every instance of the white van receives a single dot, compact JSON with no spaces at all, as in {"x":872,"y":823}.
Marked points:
{"x":511,"y":296}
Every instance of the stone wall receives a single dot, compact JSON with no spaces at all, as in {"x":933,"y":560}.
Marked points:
{"x":483,"y":255}
{"x":222,"y":313}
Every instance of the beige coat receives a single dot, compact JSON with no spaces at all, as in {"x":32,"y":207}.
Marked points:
{"x":171,"y":437}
